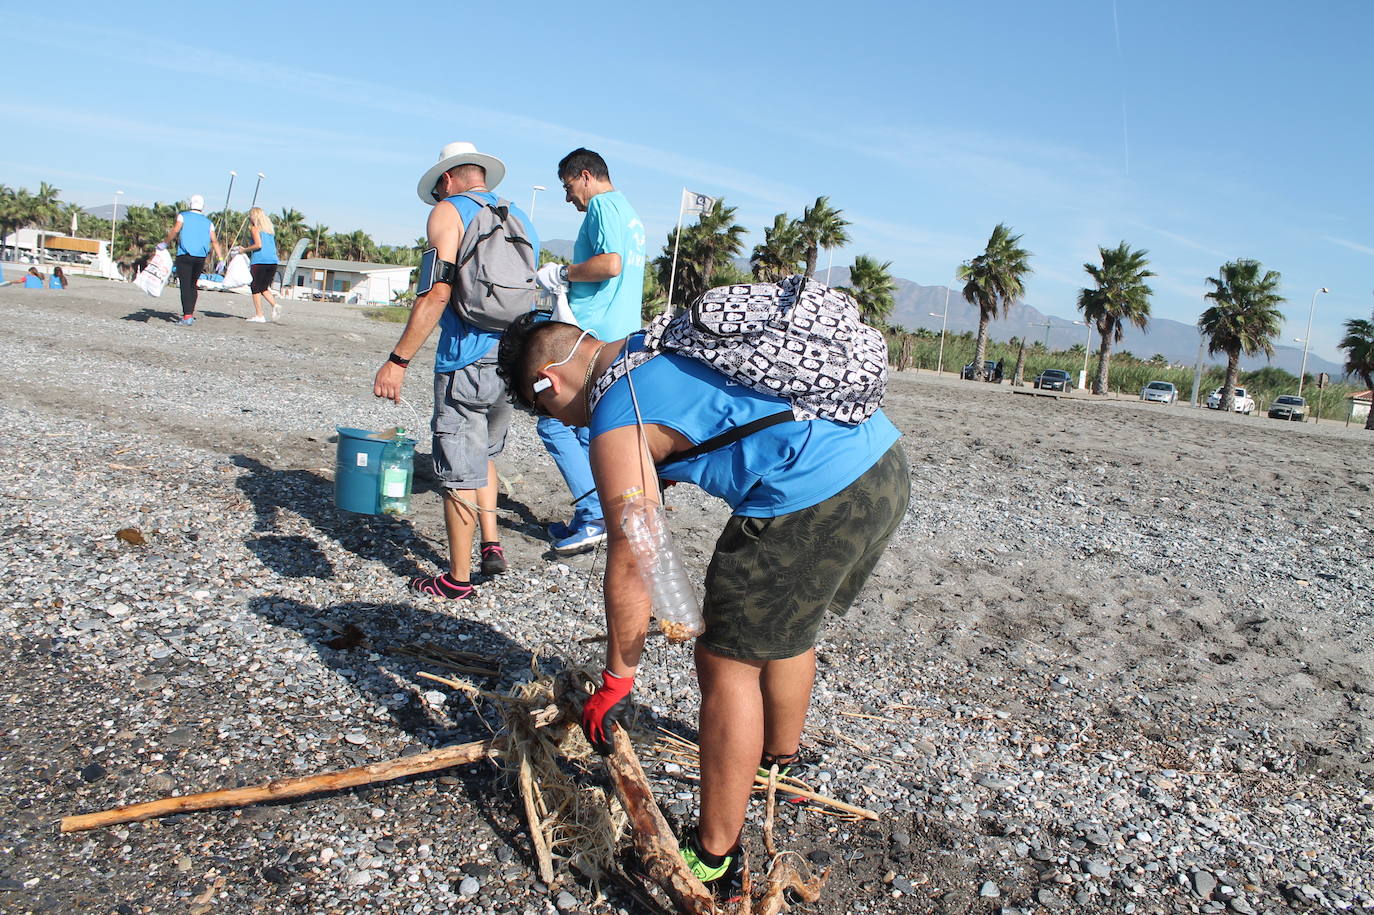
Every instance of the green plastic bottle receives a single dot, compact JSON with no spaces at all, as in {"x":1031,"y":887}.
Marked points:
{"x":398,"y":461}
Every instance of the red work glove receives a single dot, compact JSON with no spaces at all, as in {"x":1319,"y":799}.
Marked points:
{"x":604,"y":708}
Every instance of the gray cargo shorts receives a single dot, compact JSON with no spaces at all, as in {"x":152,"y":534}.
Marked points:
{"x":471,"y":416}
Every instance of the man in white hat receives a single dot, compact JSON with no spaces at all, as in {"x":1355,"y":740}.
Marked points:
{"x":195,"y":237}
{"x":471,"y":409}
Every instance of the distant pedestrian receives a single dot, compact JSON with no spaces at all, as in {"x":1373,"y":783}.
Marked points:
{"x":33,"y":279}
{"x":195,"y":237}
{"x":605,"y":284}
{"x":58,"y":280}
{"x":262,"y":263}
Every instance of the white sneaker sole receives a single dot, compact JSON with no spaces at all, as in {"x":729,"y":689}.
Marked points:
{"x":580,"y":546}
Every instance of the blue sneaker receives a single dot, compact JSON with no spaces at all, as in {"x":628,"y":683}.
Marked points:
{"x":560,"y":531}
{"x":186,"y":321}
{"x":582,"y":539}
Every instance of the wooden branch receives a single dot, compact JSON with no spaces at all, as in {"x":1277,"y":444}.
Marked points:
{"x":537,"y":837}
{"x":278,"y":789}
{"x":653,"y":839}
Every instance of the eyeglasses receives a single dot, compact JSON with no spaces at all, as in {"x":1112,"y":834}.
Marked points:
{"x":567,"y":185}
{"x":435,"y":193}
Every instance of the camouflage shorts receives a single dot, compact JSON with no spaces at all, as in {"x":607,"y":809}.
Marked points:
{"x":772,"y":579}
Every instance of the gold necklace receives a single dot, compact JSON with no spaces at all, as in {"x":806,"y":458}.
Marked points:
{"x":587,"y":382}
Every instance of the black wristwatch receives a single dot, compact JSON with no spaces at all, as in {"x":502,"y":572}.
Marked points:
{"x":397,"y":359}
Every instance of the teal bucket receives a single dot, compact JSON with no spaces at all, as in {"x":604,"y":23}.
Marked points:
{"x":358,"y":471}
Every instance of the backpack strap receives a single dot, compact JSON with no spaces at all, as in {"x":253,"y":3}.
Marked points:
{"x":729,"y":437}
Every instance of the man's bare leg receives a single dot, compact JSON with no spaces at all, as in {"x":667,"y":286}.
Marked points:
{"x":486,"y":500}
{"x":786,"y":697}
{"x":460,"y":521}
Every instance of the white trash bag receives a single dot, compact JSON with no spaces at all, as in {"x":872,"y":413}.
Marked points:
{"x":153,"y":278}
{"x":238,"y":272}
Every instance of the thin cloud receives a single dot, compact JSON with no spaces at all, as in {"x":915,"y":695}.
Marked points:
{"x":1353,"y":246}
{"x":1181,"y":239}
{"x":357,"y":93}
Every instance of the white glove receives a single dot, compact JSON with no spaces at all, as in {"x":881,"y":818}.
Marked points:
{"x":553,"y":277}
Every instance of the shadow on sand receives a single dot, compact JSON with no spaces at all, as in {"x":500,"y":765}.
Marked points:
{"x":390,"y":541}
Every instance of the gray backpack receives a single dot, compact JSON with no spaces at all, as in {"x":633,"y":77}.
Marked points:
{"x":496,"y":267}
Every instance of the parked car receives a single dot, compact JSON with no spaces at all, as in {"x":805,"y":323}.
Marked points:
{"x":992,"y":371}
{"x":1054,"y":380}
{"x":1244,"y":402}
{"x":1288,"y":406}
{"x":1159,"y":392}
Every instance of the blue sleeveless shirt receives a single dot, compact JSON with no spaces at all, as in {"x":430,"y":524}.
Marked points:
{"x":194,"y":237}
{"x":267,"y":254}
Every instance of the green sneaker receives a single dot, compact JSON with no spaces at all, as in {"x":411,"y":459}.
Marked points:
{"x":790,"y":765}
{"x":725,"y":881}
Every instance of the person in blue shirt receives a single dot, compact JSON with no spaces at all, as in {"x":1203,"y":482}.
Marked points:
{"x":58,"y":280}
{"x":471,"y":409}
{"x":262,"y":263}
{"x":33,"y":279}
{"x":814,"y":504}
{"x":605,"y":286}
{"x":195,"y":238}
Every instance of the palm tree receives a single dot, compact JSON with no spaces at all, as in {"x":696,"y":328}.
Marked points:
{"x":356,"y":245}
{"x":46,"y":205}
{"x":290,"y":225}
{"x":1120,"y":296}
{"x":781,"y":253}
{"x":1244,"y":317}
{"x":821,"y":226}
{"x":705,"y":252}
{"x":993,"y":280}
{"x":319,"y":240}
{"x":872,"y":286}
{"x":1358,"y":344}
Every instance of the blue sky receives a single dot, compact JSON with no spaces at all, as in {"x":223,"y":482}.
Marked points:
{"x":1199,"y":131}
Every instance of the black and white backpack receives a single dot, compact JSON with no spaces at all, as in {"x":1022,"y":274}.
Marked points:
{"x":797,"y":339}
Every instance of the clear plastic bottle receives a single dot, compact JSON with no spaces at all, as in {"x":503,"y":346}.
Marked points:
{"x":660,"y":566}
{"x":398,"y":458}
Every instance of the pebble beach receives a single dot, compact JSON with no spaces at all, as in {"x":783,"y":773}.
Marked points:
{"x":1116,"y":659}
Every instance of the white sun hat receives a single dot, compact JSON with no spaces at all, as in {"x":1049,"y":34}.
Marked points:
{"x":197,"y":202}
{"x":460,"y":153}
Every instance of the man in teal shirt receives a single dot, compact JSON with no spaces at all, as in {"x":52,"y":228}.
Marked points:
{"x":605,"y":285}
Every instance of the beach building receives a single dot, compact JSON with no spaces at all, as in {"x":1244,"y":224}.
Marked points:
{"x":1360,"y":404}
{"x":89,"y":256}
{"x":351,"y":282}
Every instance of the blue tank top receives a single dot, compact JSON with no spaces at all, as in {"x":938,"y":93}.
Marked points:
{"x":267,"y":254}
{"x":194,"y":237}
{"x":33,"y":282}
{"x":54,"y":283}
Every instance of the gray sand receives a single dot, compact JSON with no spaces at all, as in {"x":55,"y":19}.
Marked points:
{"x":1116,"y":659}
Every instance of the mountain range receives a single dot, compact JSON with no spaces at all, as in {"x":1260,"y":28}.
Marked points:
{"x":920,"y":306}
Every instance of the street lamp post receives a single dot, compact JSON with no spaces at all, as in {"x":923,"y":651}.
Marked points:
{"x":1302,"y":372}
{"x":114,"y":219}
{"x":944,"y":320}
{"x":1087,"y":345}
{"x":534,"y":195}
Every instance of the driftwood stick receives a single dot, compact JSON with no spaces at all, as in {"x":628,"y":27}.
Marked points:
{"x":277,"y":789}
{"x":653,"y":839}
{"x":537,"y":837}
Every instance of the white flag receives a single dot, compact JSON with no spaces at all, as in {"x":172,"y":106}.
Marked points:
{"x":696,"y":203}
